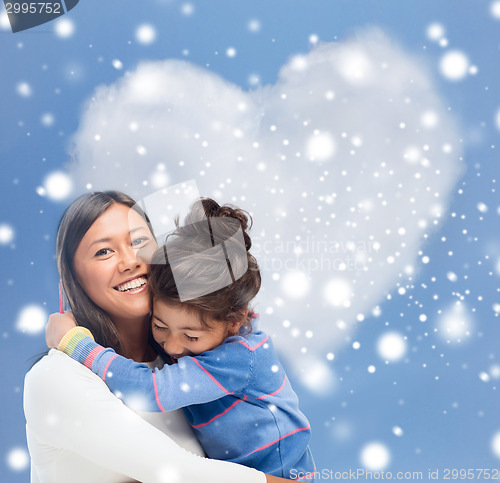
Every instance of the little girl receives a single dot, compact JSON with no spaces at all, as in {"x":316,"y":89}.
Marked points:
{"x":225,"y":373}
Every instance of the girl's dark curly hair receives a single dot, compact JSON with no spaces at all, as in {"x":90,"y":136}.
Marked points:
{"x":191,"y":252}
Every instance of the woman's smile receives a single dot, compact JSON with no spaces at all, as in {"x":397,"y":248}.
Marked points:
{"x":133,"y":286}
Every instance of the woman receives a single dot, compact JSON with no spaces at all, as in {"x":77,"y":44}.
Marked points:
{"x":77,"y":430}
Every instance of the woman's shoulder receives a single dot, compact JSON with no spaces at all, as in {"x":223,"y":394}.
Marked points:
{"x":55,"y":372}
{"x":55,"y":362}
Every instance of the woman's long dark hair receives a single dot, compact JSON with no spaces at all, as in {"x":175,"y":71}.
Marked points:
{"x":76,"y":221}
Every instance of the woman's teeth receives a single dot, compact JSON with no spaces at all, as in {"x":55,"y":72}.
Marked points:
{"x":132,"y":284}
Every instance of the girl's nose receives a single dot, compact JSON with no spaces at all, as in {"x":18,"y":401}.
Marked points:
{"x":173,"y":347}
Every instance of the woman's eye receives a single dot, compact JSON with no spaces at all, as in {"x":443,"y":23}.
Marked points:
{"x":191,"y":339}
{"x":103,"y":251}
{"x":140,"y":241}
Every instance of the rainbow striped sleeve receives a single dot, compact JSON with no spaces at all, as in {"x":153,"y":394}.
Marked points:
{"x":72,"y":337}
{"x":79,"y":344}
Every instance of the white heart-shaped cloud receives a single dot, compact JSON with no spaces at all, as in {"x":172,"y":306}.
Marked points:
{"x":346,"y":163}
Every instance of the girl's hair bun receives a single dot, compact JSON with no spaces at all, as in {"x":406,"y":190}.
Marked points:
{"x":214,"y":210}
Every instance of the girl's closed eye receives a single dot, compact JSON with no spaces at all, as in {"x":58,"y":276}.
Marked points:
{"x":191,"y":339}
{"x":159,"y":327}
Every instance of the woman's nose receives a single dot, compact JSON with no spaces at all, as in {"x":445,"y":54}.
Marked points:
{"x":128,"y":260}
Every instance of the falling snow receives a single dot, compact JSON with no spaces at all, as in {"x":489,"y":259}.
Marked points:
{"x":375,"y":456}
{"x":117,"y":64}
{"x":435,"y":31}
{"x":320,"y":146}
{"x":24,"y":89}
{"x":495,"y":9}
{"x":4,"y":21}
{"x":57,"y":186}
{"x":254,"y":25}
{"x":454,"y":65}
{"x":47,"y":119}
{"x":495,"y":444}
{"x":187,"y":9}
{"x":18,"y":459}
{"x":145,"y":34}
{"x":391,"y":346}
{"x":497,"y":119}
{"x":295,"y":284}
{"x":455,"y":323}
{"x":379,"y":258}
{"x":31,"y":320}
{"x":64,"y":28}
{"x":6,"y":234}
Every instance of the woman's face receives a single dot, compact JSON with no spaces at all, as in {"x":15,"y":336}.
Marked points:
{"x":107,"y":267}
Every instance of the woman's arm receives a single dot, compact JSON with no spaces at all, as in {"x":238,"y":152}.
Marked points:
{"x":68,"y":407}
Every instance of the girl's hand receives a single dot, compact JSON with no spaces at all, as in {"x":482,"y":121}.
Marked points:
{"x":57,"y":327}
{"x":275,"y":479}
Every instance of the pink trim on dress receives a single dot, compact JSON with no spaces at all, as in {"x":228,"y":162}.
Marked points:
{"x":254,"y":347}
{"x":273,"y":393}
{"x":107,"y":367}
{"x":90,"y":358}
{"x":219,"y":415}
{"x":279,"y":439}
{"x":211,"y":377}
{"x":156,"y":394}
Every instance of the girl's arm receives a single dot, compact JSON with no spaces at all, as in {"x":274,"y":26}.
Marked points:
{"x":193,"y":380}
{"x":69,"y":408}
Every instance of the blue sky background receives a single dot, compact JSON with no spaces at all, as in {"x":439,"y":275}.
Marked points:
{"x":442,"y":396}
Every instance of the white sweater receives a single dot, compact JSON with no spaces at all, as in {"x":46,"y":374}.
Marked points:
{"x":79,"y":432}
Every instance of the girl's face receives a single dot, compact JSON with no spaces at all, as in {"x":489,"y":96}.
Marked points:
{"x":180,"y":333}
{"x":106,"y":265}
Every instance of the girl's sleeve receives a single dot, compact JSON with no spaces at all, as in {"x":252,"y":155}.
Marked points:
{"x":193,"y":380}
{"x":70,"y":408}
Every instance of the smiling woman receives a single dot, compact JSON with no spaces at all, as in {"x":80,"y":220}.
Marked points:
{"x":97,"y":242}
{"x":107,"y":267}
{"x":77,"y":430}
